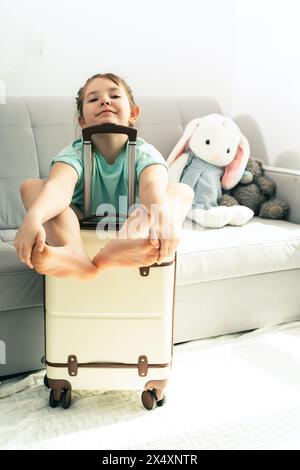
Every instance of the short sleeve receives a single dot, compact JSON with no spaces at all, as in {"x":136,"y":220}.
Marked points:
{"x":71,"y":155}
{"x":148,"y":155}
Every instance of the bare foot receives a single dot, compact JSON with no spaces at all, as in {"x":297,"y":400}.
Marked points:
{"x":127,"y":253}
{"x":64,"y":261}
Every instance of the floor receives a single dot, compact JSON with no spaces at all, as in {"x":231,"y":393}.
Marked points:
{"x":237,"y":391}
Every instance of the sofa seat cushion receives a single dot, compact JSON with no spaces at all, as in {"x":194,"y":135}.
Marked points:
{"x":260,"y":246}
{"x":204,"y":255}
{"x":20,"y":287}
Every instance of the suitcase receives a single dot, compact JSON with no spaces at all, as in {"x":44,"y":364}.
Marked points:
{"x":114,"y":332}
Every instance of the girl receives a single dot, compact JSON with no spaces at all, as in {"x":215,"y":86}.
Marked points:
{"x":54,"y":206}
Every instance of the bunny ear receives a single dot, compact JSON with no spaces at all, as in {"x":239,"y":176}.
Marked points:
{"x":234,"y":171}
{"x":180,"y":147}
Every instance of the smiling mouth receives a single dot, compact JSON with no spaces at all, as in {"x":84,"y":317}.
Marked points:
{"x":106,"y":111}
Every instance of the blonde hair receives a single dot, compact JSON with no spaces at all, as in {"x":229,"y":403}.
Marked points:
{"x":109,"y":76}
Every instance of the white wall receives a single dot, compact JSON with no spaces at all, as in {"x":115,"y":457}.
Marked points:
{"x":243,"y":52}
{"x":161,"y":47}
{"x":267,"y":78}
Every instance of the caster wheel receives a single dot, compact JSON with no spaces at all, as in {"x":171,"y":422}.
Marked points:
{"x":52,"y":402}
{"x":46,"y":383}
{"x":162,"y":401}
{"x":66,"y":398}
{"x":149,"y":399}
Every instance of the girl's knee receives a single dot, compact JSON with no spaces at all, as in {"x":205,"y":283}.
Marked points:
{"x":29,"y":185}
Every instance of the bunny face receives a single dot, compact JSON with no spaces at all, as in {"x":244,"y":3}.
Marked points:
{"x":215,"y":140}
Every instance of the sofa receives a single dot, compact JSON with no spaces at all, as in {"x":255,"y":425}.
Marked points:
{"x":228,"y":280}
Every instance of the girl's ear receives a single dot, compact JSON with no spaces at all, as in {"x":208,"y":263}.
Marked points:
{"x":81,"y":122}
{"x":134,"y":114}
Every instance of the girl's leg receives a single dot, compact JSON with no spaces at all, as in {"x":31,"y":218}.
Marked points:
{"x":132,"y":246}
{"x":65,"y":254}
{"x":137,"y":236}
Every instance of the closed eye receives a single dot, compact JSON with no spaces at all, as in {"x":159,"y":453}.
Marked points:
{"x":112,"y":97}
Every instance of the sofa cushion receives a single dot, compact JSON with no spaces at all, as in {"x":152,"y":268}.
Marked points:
{"x":20,"y":287}
{"x":18,"y":158}
{"x":53,"y":125}
{"x":162,"y":120}
{"x":260,"y":246}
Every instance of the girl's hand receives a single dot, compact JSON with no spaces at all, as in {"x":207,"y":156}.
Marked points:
{"x":29,"y":234}
{"x":164,"y":230}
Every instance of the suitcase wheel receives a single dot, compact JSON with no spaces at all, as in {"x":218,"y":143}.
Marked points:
{"x":66,"y":398}
{"x":162,"y":401}
{"x":52,"y":402}
{"x":149,"y":400}
{"x":46,"y":383}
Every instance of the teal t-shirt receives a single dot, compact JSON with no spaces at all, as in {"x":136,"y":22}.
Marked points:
{"x":110,"y":181}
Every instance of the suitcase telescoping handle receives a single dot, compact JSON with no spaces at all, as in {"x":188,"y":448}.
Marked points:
{"x":107,"y":128}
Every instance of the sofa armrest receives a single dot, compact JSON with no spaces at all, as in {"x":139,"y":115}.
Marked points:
{"x":287,"y":188}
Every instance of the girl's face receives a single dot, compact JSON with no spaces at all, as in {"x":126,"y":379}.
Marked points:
{"x":106,"y":102}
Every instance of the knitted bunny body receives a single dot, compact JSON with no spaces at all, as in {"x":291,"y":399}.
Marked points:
{"x":212,"y":154}
{"x":205,"y":179}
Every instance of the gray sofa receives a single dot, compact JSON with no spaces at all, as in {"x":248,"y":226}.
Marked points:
{"x":229,"y":279}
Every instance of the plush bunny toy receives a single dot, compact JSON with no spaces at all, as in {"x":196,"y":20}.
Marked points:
{"x":211,"y":154}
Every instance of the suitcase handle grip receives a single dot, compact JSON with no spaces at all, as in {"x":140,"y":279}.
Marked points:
{"x":108,"y":128}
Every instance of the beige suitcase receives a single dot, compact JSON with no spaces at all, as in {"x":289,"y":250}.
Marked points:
{"x":114,"y":332}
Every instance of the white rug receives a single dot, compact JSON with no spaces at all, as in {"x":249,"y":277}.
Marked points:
{"x":231,"y":392}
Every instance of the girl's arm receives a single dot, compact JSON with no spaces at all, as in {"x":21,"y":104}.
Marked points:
{"x":54,"y":197}
{"x":153,"y":195}
{"x":56,"y":194}
{"x":153,"y":184}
